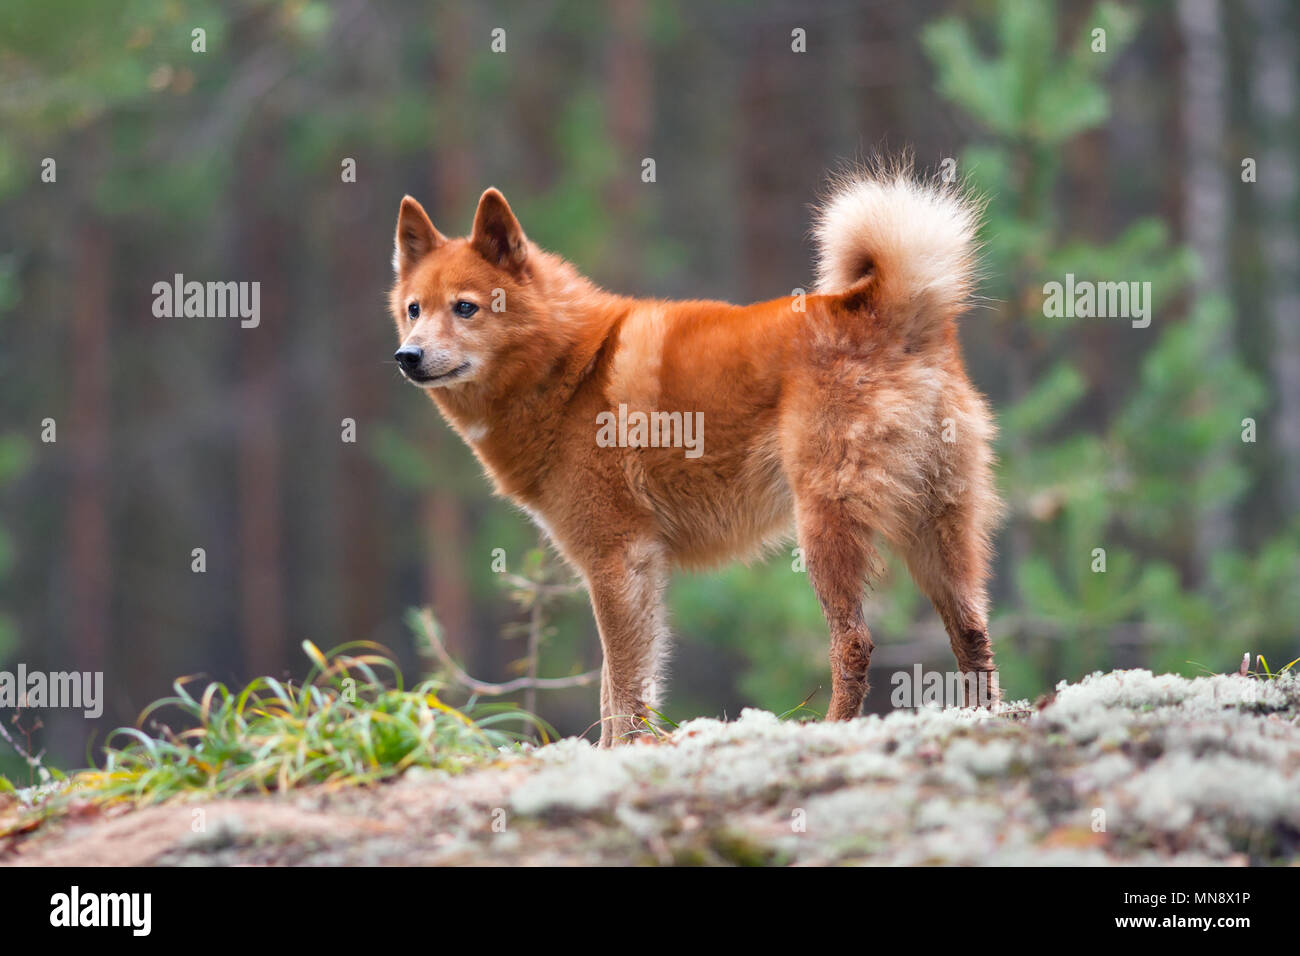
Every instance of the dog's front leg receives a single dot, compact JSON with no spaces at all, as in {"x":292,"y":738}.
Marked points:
{"x":626,"y":588}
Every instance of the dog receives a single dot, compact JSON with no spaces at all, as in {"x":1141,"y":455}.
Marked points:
{"x":844,"y":416}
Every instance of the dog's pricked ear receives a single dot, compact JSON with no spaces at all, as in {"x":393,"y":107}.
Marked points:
{"x":416,"y":237}
{"x":497,"y":235}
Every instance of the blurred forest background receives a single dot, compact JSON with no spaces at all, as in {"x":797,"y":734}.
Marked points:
{"x":1167,"y":156}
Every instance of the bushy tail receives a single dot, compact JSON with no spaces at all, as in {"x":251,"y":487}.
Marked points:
{"x":916,"y":239}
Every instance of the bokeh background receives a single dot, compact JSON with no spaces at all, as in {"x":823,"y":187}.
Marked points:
{"x":1168,"y":157}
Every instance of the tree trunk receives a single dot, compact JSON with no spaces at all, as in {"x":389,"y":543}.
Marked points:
{"x":763,"y":160}
{"x":628,"y":85}
{"x":88,"y":528}
{"x":260,"y":530}
{"x":360,"y":537}
{"x":1273,"y":95}
{"x":1205,"y":204}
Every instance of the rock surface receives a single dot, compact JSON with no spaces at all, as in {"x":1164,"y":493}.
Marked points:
{"x":1124,"y":767}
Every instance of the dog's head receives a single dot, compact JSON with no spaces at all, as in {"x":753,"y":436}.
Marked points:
{"x":461,"y":305}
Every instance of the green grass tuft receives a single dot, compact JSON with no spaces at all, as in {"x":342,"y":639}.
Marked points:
{"x":1268,"y":674}
{"x":342,"y":725}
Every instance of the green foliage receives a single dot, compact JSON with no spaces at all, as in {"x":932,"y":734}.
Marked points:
{"x":1182,"y":425}
{"x":1030,"y":89}
{"x":15,"y":454}
{"x":343,"y":724}
{"x":1134,"y":484}
{"x":407,"y":463}
{"x":767,"y":617}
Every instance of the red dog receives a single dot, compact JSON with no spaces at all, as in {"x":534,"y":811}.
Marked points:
{"x":643,"y":434}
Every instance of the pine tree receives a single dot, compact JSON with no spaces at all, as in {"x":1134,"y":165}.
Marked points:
{"x":1103,"y":504}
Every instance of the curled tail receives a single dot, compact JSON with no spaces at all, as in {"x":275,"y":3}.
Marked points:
{"x":915,"y":239}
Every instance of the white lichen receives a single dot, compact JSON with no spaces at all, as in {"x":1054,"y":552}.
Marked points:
{"x":1120,"y":767}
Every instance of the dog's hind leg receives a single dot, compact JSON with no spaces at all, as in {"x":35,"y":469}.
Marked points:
{"x":840,"y":556}
{"x":843,"y":498}
{"x":948,"y":559}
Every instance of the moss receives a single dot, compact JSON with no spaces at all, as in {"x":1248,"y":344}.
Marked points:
{"x":741,"y":849}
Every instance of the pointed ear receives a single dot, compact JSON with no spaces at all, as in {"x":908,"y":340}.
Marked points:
{"x":497,"y":235}
{"x":416,"y":237}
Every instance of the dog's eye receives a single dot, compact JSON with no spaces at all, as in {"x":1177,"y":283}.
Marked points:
{"x":464,"y":309}
{"x":413,"y":310}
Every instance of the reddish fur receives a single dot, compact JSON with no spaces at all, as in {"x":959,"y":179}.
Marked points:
{"x":826,"y":422}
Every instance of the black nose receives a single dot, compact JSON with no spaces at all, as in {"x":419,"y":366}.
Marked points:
{"x":409,"y":356}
